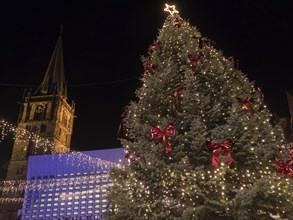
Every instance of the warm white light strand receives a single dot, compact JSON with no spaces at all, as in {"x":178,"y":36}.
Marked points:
{"x":15,"y":186}
{"x":21,"y":134}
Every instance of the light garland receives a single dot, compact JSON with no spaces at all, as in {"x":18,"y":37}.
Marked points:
{"x":22,"y":134}
{"x":12,"y":186}
{"x":17,"y":186}
{"x":215,"y":178}
{"x":11,"y":200}
{"x":73,"y":156}
{"x":93,"y":161}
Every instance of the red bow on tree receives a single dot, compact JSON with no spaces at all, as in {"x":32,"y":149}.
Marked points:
{"x":176,"y":92}
{"x":284,"y":167}
{"x":155,"y":45}
{"x":162,"y":135}
{"x":152,"y":47}
{"x":135,"y":157}
{"x":231,"y":59}
{"x":194,"y":60}
{"x":177,"y":23}
{"x":148,"y":65}
{"x":224,"y":147}
{"x":247,"y":105}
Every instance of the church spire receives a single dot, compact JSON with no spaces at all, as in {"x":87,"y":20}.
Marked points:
{"x":54,"y":77}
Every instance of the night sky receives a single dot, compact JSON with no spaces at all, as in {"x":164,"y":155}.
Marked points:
{"x":103,"y":43}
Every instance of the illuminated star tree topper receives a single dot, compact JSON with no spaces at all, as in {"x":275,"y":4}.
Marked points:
{"x":171,"y":9}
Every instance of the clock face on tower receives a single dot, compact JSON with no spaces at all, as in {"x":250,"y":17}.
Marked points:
{"x":40,"y":109}
{"x":39,"y":112}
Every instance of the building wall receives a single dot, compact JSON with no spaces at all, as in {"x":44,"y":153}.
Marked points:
{"x":49,"y":117}
{"x":69,"y":185}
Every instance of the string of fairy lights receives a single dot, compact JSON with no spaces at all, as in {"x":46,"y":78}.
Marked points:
{"x":188,"y":195}
{"x":13,"y":187}
{"x":73,"y":158}
{"x":21,"y":134}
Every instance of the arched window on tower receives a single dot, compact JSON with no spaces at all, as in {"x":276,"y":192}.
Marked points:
{"x":31,"y":149}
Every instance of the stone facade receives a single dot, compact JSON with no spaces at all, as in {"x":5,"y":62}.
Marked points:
{"x":48,"y":116}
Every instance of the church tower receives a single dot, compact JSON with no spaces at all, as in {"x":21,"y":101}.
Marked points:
{"x":46,"y":113}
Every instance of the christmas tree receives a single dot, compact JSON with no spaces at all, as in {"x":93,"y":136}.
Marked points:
{"x":198,"y":141}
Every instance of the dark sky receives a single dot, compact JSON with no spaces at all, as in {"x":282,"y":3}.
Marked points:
{"x":103,"y":42}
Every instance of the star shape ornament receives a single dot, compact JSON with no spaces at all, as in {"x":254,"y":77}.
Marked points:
{"x":171,"y":9}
